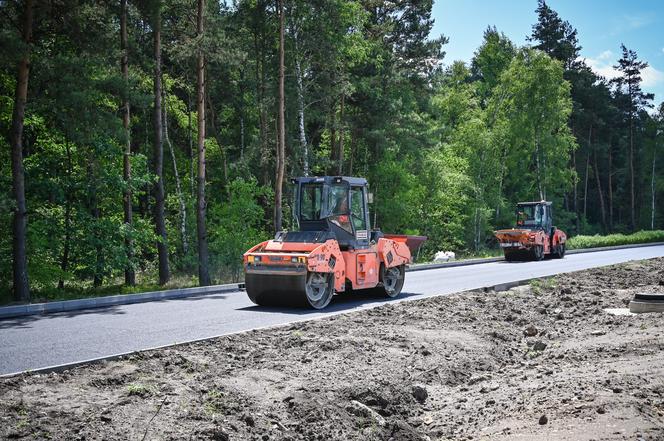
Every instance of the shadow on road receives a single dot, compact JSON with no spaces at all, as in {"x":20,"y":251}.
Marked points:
{"x":196,"y":298}
{"x":340,"y":302}
{"x":26,"y":321}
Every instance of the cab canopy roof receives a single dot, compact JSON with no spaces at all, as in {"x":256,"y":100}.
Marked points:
{"x":329,"y":180}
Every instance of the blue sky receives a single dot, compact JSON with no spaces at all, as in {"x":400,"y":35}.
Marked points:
{"x":602,"y":26}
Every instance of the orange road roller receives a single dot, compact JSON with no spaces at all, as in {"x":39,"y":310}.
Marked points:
{"x":333,"y":251}
{"x":534,"y":236}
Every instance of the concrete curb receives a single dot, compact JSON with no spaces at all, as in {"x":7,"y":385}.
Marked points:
{"x":428,"y":266}
{"x":126,"y":299}
{"x":101,"y":302}
{"x":452,"y":264}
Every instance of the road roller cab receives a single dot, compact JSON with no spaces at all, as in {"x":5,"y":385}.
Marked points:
{"x":333,"y":249}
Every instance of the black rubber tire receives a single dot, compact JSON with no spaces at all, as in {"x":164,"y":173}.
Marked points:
{"x":319,"y":300}
{"x":646,"y":297}
{"x":380,"y":290}
{"x":559,"y":251}
{"x":287,"y":290}
{"x":538,"y":252}
{"x":510,"y":256}
{"x":392,"y":280}
{"x":275,"y":289}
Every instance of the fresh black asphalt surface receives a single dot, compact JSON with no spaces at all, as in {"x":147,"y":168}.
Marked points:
{"x":34,"y":342}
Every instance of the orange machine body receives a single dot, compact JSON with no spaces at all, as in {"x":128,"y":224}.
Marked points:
{"x":523,"y":239}
{"x":535,"y":236}
{"x":359,"y":267}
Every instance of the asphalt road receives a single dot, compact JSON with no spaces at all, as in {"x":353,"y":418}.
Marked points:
{"x":43,"y":341}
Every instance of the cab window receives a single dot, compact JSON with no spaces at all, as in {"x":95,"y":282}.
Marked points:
{"x":311,"y":201}
{"x":357,"y":208}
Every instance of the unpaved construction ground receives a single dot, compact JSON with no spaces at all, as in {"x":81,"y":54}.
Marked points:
{"x":543,"y":362}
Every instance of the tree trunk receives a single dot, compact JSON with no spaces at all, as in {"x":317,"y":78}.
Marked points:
{"x":600,"y":194}
{"x":95,"y":211}
{"x":610,"y":191}
{"x":259,"y":47}
{"x":242,"y":138}
{"x":130,"y":275}
{"x":540,"y":184}
{"x":241,"y":114}
{"x":585,"y":189}
{"x":217,"y":135}
{"x":631,"y":173}
{"x":576,"y":193}
{"x":281,"y":145}
{"x":21,"y":288}
{"x":158,"y":155}
{"x":501,"y":180}
{"x":353,"y":138}
{"x":334,"y":155}
{"x":340,"y":170}
{"x":192,"y":172}
{"x":178,"y":184}
{"x":300,"y":112}
{"x":652,"y":189}
{"x":203,"y":271}
{"x":64,"y":262}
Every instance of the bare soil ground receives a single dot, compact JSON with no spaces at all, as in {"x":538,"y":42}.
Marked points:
{"x":542,"y":362}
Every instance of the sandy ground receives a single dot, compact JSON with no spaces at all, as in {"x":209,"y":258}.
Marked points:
{"x":540,"y":362}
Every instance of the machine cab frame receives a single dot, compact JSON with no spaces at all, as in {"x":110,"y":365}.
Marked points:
{"x":334,"y":204}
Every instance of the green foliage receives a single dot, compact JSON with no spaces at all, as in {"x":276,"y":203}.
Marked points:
{"x":578,"y":242}
{"x":235,"y":227}
{"x":447,"y":147}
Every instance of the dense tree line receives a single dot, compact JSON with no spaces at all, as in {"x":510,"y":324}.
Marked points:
{"x":153,"y":139}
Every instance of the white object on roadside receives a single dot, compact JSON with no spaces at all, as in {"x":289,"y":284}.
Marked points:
{"x":444,"y":256}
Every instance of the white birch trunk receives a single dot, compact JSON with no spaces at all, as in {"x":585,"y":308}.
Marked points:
{"x":300,"y":111}
{"x":178,"y":184}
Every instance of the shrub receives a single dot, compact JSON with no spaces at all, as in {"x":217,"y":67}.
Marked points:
{"x":578,"y":242}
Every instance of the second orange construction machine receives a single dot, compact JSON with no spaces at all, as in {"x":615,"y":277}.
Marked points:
{"x":534,"y":236}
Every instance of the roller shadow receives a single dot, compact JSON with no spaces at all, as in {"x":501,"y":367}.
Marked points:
{"x":340,"y":303}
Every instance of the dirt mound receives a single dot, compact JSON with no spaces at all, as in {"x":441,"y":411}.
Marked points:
{"x":545,"y":361}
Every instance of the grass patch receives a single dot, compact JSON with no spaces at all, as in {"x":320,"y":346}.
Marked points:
{"x":75,"y":290}
{"x":140,"y":390}
{"x":538,"y":286}
{"x":578,"y":242}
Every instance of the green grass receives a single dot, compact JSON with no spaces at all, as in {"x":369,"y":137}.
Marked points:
{"x":74,"y":290}
{"x":140,"y":390}
{"x":578,"y":242}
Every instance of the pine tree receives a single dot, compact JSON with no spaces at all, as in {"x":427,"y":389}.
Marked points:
{"x":20,"y":259}
{"x":158,"y":150}
{"x":130,"y":275}
{"x":203,"y":271}
{"x":555,"y":36}
{"x":629,"y":83}
{"x":281,"y":142}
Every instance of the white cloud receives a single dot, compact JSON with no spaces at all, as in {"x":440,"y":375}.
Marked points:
{"x":603,"y":65}
{"x":651,"y":76}
{"x":606,"y":55}
{"x":637,"y":21}
{"x":663,"y":50}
